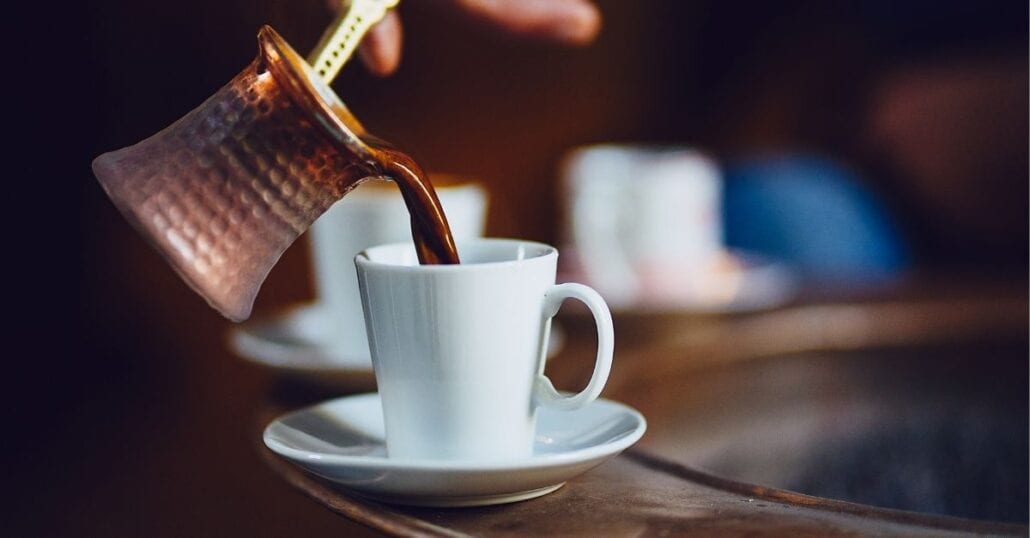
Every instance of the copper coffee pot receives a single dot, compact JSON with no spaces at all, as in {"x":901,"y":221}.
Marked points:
{"x":223,"y":191}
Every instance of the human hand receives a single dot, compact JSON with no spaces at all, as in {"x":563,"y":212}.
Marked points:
{"x":568,"y":22}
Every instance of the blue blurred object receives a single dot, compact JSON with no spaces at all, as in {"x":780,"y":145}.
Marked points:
{"x":813,"y":214}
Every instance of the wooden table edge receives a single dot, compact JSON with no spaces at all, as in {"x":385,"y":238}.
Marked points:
{"x":388,"y":519}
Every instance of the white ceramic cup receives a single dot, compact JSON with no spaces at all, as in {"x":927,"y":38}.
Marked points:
{"x":640,"y":218}
{"x":458,"y":350}
{"x":374,"y":214}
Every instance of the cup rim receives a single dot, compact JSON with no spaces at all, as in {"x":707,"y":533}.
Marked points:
{"x":362,"y":258}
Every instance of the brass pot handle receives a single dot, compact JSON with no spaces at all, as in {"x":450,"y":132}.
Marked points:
{"x":342,"y":37}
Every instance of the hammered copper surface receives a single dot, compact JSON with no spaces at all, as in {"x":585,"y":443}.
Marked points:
{"x":223,"y":191}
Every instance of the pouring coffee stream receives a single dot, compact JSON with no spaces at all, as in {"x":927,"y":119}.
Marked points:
{"x":222,"y":192}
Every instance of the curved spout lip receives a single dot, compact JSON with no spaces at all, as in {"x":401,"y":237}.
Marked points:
{"x":306,"y":89}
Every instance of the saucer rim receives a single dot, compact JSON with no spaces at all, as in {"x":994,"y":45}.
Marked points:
{"x":542,"y":461}
{"x":242,"y":339}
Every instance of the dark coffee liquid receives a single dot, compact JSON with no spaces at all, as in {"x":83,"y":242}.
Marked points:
{"x":429,"y":229}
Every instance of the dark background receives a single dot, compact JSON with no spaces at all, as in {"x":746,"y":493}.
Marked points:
{"x":114,"y":358}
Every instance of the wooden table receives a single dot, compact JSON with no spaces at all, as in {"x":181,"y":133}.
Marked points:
{"x":741,"y":386}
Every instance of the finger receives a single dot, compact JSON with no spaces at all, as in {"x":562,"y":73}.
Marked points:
{"x":573,"y":22}
{"x":380,"y":49}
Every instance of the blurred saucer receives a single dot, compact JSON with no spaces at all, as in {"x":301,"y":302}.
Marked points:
{"x":734,"y":282}
{"x":296,"y":343}
{"x":343,"y":441}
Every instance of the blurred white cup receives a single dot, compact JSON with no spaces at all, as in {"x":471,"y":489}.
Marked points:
{"x":642,"y":219}
{"x":374,"y":214}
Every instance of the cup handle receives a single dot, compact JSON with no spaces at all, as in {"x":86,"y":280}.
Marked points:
{"x":544,"y":392}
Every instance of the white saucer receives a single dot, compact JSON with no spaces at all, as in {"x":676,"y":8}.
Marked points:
{"x":295,"y":342}
{"x":342,"y":441}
